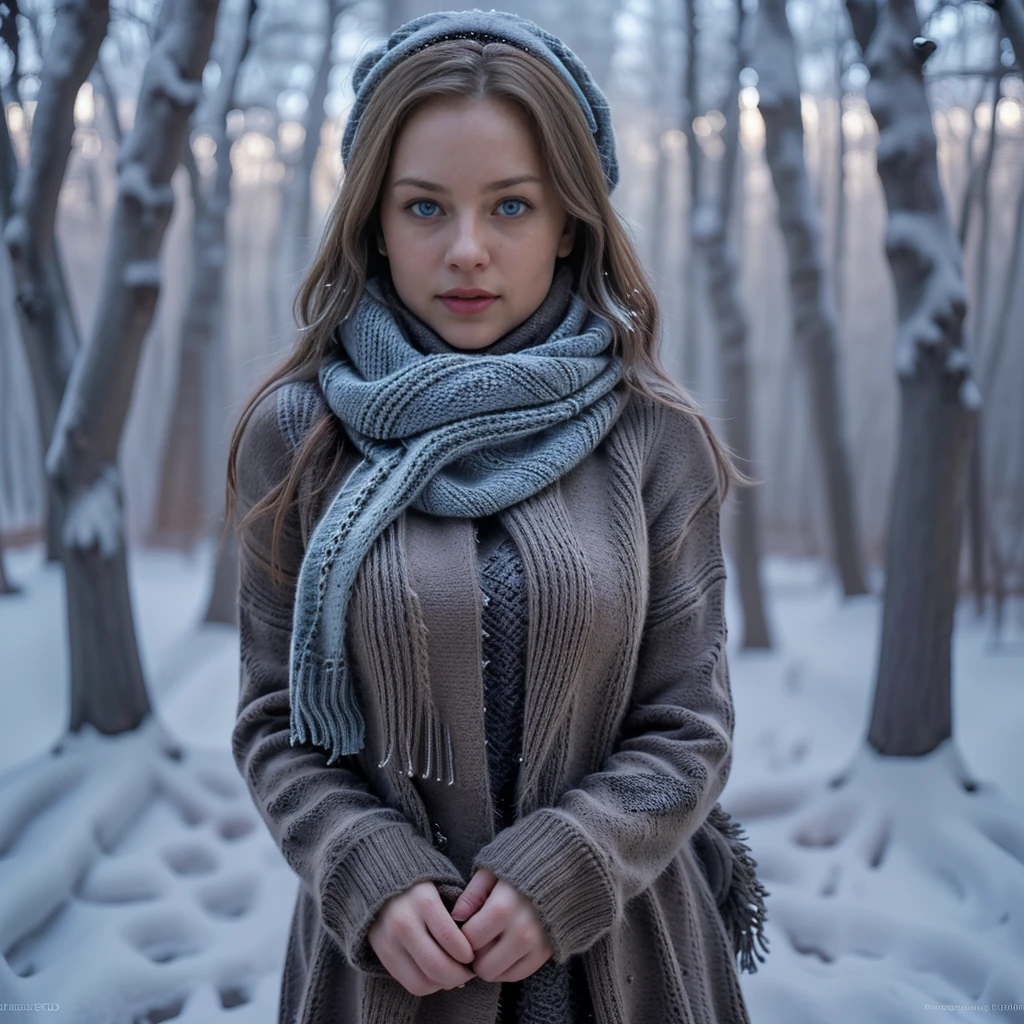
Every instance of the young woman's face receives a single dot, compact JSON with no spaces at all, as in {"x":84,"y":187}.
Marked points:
{"x":467,"y":206}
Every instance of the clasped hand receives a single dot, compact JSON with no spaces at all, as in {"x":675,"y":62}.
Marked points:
{"x":422,"y":947}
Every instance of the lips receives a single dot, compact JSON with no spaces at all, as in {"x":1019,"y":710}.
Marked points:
{"x":468,"y":306}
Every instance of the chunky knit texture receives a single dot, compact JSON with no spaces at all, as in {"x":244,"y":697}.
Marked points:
{"x":555,"y":993}
{"x":626,"y":741}
{"x":505,"y":624}
{"x":487,"y":26}
{"x":456,"y":435}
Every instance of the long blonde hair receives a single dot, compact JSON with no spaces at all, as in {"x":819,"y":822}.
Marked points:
{"x":610,"y":278}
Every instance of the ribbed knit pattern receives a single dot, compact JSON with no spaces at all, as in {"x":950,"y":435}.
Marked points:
{"x":555,"y":993}
{"x":458,"y":435}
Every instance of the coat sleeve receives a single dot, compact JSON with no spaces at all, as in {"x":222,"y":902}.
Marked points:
{"x":609,"y":838}
{"x":350,"y":849}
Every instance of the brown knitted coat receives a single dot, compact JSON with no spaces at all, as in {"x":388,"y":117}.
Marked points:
{"x":627,"y":741}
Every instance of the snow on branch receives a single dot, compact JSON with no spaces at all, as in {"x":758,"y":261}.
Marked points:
{"x":134,"y":183}
{"x":96,"y":401}
{"x":94,"y":518}
{"x":166,"y":78}
{"x":921,"y":243}
{"x":142,"y":274}
{"x":79,"y":28}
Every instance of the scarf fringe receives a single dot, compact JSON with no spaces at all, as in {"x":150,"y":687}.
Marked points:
{"x":742,"y":905}
{"x":323,"y":712}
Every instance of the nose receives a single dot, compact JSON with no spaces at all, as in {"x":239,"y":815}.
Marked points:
{"x":468,"y":245}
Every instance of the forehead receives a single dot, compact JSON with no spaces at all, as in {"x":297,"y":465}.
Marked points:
{"x":479,"y":137}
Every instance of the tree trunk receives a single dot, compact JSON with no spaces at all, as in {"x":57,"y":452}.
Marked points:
{"x":839,"y":243}
{"x":223,"y":603}
{"x":814,"y":321}
{"x":711,"y":231}
{"x":28,"y":202}
{"x":980,"y":184}
{"x":938,"y":398}
{"x":107,"y":686}
{"x":6,"y":587}
{"x":185,"y":499}
{"x":1011,"y":15}
{"x":694,"y":160}
{"x":300,"y":243}
{"x":661,"y":198}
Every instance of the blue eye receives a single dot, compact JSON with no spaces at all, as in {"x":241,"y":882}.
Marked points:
{"x":521,"y":202}
{"x":421,"y":202}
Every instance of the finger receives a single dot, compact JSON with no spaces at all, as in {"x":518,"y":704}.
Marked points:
{"x":525,"y":966}
{"x":520,"y":938}
{"x":492,"y":918}
{"x":486,"y":946}
{"x":473,"y":897}
{"x":407,"y":973}
{"x":445,"y":931}
{"x":434,"y":962}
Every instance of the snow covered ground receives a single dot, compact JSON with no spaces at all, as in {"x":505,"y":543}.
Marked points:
{"x":138,"y":884}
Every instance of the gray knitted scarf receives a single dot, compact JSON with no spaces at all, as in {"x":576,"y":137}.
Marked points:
{"x":449,"y":433}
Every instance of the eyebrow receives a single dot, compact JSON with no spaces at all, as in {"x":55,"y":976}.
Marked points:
{"x":494,"y":186}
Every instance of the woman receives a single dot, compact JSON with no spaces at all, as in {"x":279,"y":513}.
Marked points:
{"x":485,"y":706}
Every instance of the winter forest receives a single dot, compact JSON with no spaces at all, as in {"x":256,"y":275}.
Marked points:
{"x":828,"y":196}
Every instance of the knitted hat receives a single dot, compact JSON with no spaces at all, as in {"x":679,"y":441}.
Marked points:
{"x":488,"y":26}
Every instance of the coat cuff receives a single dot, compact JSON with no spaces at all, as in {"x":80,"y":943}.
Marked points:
{"x":549,"y":859}
{"x":378,"y":866}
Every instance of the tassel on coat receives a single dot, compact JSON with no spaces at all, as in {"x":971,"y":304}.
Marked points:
{"x":732,"y":875}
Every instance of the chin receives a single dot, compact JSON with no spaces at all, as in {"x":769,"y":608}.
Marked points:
{"x":470,"y":340}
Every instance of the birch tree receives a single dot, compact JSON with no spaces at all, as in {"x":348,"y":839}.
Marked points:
{"x":1011,"y":19}
{"x":911,"y":714}
{"x":196,"y":422}
{"x":45,"y":323}
{"x":815,"y":330}
{"x":106,"y":681}
{"x":8,"y":173}
{"x":299,"y":238}
{"x":694,"y":163}
{"x":979,"y":187}
{"x":710,"y":228}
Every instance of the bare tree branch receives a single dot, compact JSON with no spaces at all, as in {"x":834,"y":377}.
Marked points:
{"x":110,"y":99}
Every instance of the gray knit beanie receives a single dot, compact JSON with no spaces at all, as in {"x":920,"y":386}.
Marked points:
{"x":489,"y":26}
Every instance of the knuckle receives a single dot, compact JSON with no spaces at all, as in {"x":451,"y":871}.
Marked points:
{"x":402,"y":925}
{"x":423,"y":899}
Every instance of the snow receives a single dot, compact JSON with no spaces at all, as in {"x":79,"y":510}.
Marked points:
{"x":138,"y":882}
{"x":94,"y":516}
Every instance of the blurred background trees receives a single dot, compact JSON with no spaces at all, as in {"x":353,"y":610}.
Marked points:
{"x":772,"y":160}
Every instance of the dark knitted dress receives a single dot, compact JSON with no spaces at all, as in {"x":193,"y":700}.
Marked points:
{"x":555,"y":993}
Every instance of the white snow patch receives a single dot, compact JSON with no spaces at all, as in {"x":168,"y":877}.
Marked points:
{"x":134,"y":886}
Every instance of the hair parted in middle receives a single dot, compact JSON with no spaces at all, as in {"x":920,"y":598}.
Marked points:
{"x":610,"y":278}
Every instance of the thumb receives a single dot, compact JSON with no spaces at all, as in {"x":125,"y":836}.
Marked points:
{"x":474,"y":896}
